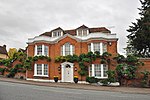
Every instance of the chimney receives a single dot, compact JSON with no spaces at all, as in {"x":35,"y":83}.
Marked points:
{"x":4,"y":46}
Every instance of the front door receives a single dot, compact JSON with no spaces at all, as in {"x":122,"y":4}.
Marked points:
{"x":67,"y":74}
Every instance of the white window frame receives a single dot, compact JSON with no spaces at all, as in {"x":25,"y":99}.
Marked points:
{"x":87,"y":32}
{"x":42,"y":75}
{"x":72,"y":50}
{"x":101,"y":47}
{"x":57,"y":33}
{"x":93,"y":71}
{"x":43,"y":50}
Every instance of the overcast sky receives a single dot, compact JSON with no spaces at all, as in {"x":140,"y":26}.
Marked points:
{"x":23,"y":19}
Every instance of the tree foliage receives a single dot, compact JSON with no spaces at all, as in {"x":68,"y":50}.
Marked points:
{"x":139,"y":36}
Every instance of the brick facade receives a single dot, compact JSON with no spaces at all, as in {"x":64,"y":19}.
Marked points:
{"x":54,"y":50}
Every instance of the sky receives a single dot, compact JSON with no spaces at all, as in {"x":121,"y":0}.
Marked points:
{"x":23,"y":19}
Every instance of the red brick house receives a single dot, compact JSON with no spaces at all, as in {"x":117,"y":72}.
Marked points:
{"x":59,"y":42}
{"x":3,"y":52}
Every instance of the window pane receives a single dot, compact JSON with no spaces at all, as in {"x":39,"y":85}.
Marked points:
{"x":73,"y":49}
{"x":104,"y":47}
{"x":79,"y":32}
{"x":84,"y":32}
{"x":39,"y":50}
{"x":67,"y":49}
{"x":46,"y":50}
{"x":54,"y":34}
{"x":97,"y":70}
{"x":89,"y":47}
{"x":96,"y":47}
{"x":105,"y":69}
{"x":62,"y":50}
{"x":39,"y":69}
{"x":45,"y":69}
{"x":90,"y":70}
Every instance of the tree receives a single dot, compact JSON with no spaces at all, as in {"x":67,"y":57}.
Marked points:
{"x":126,"y":68}
{"x":11,"y":52}
{"x":139,"y":36}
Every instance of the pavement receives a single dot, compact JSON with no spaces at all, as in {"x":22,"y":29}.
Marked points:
{"x":80,"y":86}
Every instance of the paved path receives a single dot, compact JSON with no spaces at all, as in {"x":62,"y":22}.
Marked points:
{"x":81,"y":86}
{"x":17,"y":91}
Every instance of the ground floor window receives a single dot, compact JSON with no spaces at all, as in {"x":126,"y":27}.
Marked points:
{"x":98,"y":70}
{"x":40,"y":70}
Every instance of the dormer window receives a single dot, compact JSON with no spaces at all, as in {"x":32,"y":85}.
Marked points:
{"x":82,"y":32}
{"x":57,"y":33}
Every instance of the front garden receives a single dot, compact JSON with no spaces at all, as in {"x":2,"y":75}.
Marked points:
{"x":125,"y":70}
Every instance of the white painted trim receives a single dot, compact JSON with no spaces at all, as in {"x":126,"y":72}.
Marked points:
{"x":87,"y":31}
{"x":63,"y":66}
{"x":43,"y":49}
{"x":92,"y":47}
{"x":35,"y":69}
{"x":41,"y":75}
{"x":63,"y":50}
{"x":41,"y":80}
{"x":35,"y":50}
{"x":61,"y":33}
{"x":93,"y":71}
{"x":102,"y":71}
{"x":99,"y":36}
{"x":71,"y":53}
{"x":101,"y":48}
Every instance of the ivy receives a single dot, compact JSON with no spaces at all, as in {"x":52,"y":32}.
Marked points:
{"x":36,"y":58}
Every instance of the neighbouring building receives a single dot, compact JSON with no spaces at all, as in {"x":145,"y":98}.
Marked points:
{"x":3,"y":52}
{"x":59,"y":42}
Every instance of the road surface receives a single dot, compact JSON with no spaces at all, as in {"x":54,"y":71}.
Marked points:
{"x":16,"y":91}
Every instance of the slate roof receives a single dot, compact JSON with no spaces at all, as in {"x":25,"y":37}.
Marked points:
{"x":73,"y":31}
{"x":3,"y":50}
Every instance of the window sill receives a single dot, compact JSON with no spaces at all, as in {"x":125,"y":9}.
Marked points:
{"x":101,"y":77}
{"x":41,"y":55}
{"x":41,"y":75}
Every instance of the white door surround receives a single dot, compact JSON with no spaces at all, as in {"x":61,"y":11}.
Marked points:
{"x":67,"y":72}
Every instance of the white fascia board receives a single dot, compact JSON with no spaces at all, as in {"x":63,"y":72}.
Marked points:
{"x":78,"y":38}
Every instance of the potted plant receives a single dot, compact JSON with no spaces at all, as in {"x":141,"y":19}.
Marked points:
{"x":56,"y":78}
{"x":76,"y":79}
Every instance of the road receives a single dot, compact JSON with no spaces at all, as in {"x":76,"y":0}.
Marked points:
{"x":16,"y":91}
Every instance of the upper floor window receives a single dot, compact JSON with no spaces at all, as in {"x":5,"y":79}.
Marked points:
{"x":99,"y":46}
{"x":41,"y":50}
{"x":98,"y":70}
{"x":82,"y":32}
{"x":67,"y":49}
{"x":56,"y":33}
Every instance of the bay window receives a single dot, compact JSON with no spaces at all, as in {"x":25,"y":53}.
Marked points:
{"x":98,"y":70}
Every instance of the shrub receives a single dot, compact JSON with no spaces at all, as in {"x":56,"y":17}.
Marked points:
{"x":2,"y":71}
{"x":91,"y":79}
